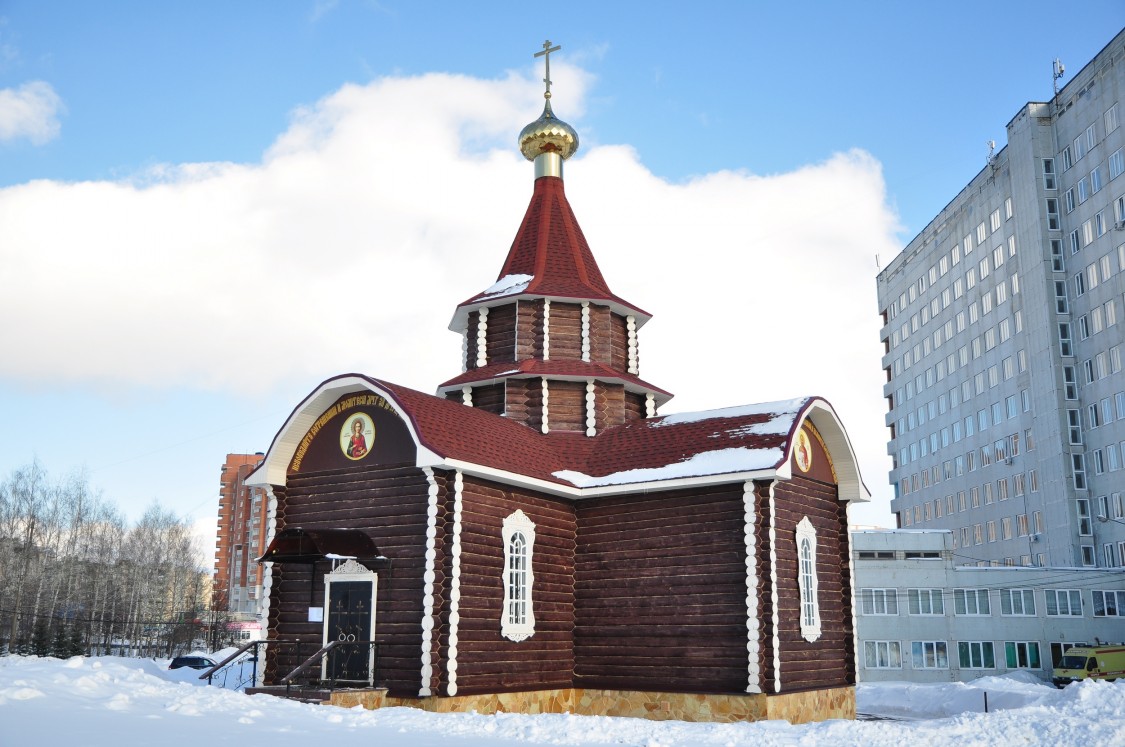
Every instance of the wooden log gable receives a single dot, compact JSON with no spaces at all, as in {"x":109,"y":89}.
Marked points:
{"x":388,"y":503}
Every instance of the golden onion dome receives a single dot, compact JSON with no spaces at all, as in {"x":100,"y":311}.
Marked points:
{"x":548,"y":134}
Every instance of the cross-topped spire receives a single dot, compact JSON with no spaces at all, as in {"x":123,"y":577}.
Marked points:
{"x":546,"y":55}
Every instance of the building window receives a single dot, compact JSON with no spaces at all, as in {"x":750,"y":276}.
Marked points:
{"x":1065,"y":343}
{"x":976,"y":655}
{"x":807,"y":581}
{"x":1078,"y":470}
{"x":1020,"y":602}
{"x":878,"y":602}
{"x":1087,"y":553}
{"x":517,"y":621}
{"x":1022,"y":654}
{"x":925,"y":601}
{"x":971,"y":602}
{"x":1063,"y":602}
{"x":882,"y":655}
{"x":1052,"y":214}
{"x":1116,"y":163}
{"x":1085,"y":523}
{"x":1048,"y":183}
{"x":929,"y":655}
{"x":1109,"y":603}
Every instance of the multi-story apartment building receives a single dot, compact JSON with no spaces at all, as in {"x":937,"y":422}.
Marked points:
{"x":921,"y":617}
{"x":1003,"y":333}
{"x":241,"y":538}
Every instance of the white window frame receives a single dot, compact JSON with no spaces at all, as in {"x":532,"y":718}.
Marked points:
{"x":1024,"y":647}
{"x":517,"y":615}
{"x":890,"y":650}
{"x":871,"y":601}
{"x":928,"y":602}
{"x":971,"y":654}
{"x":1073,"y":602}
{"x":929,"y":655}
{"x":807,"y":584}
{"x":1113,"y":608}
{"x":977,"y":596}
{"x":1017,"y":602}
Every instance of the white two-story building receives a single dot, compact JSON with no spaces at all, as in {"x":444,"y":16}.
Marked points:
{"x":923,"y":616}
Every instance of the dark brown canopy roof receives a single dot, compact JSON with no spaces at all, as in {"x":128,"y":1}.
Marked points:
{"x":297,"y":545}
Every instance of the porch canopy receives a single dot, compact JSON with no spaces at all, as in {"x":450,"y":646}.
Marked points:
{"x":297,"y":545}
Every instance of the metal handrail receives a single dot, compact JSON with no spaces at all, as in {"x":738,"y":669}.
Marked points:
{"x":307,"y":663}
{"x":242,"y":649}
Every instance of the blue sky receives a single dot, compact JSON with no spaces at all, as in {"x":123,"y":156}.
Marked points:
{"x":218,"y":174}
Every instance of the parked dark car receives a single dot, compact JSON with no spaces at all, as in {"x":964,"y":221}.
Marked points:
{"x":195,"y":662}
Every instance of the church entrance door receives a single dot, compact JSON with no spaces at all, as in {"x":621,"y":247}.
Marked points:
{"x":350,"y":622}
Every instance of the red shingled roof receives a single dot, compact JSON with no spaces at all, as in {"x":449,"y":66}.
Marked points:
{"x":455,"y":431}
{"x":550,"y":248}
{"x":556,"y":369}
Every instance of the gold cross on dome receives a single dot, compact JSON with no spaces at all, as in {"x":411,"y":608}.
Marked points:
{"x":546,"y":55}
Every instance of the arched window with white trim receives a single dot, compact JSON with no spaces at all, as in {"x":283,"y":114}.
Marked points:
{"x":807,"y":581}
{"x":517,"y":617}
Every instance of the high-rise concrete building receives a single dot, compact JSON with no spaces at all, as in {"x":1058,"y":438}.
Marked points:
{"x":1003,"y":328}
{"x":240,"y":540}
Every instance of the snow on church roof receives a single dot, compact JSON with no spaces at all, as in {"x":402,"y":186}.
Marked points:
{"x":509,"y":285}
{"x":752,"y":440}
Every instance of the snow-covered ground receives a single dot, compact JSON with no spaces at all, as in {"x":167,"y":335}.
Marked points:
{"x":108,"y":701}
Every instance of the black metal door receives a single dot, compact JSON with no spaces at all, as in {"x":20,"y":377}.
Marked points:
{"x":349,"y":622}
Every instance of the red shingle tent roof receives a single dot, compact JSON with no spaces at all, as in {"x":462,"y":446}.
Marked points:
{"x":550,"y":258}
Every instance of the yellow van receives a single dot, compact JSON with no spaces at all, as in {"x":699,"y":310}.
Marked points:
{"x":1090,"y":663}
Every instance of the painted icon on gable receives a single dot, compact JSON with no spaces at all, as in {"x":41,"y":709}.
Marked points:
{"x":357,"y":436}
{"x":803,"y":451}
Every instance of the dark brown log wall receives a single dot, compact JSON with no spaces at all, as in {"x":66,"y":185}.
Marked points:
{"x":601,"y":334}
{"x":566,"y":331}
{"x":388,"y":504}
{"x":566,"y":405}
{"x":516,"y":398}
{"x":619,"y":343}
{"x":529,"y":330}
{"x":660,"y":592}
{"x":634,"y":406}
{"x":501,"y":333}
{"x":609,"y":405}
{"x":489,"y":398}
{"x":471,"y":341}
{"x":486,"y":661}
{"x":828,"y":661}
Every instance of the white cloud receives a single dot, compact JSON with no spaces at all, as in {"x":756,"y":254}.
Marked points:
{"x":383,"y":206}
{"x":30,"y":111}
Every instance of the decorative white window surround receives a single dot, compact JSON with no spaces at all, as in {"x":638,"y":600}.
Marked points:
{"x":482,"y":337}
{"x":650,"y":405}
{"x":807,"y":581}
{"x":586,"y":331}
{"x":631,"y":327}
{"x":428,"y":580}
{"x":546,"y":329}
{"x":467,"y":395}
{"x":517,"y":615}
{"x":455,"y":585}
{"x":773,"y":591}
{"x":753,"y":664}
{"x":545,"y":427}
{"x":591,"y":409}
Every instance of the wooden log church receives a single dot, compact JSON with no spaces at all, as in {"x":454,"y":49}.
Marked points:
{"x":535,"y":537}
